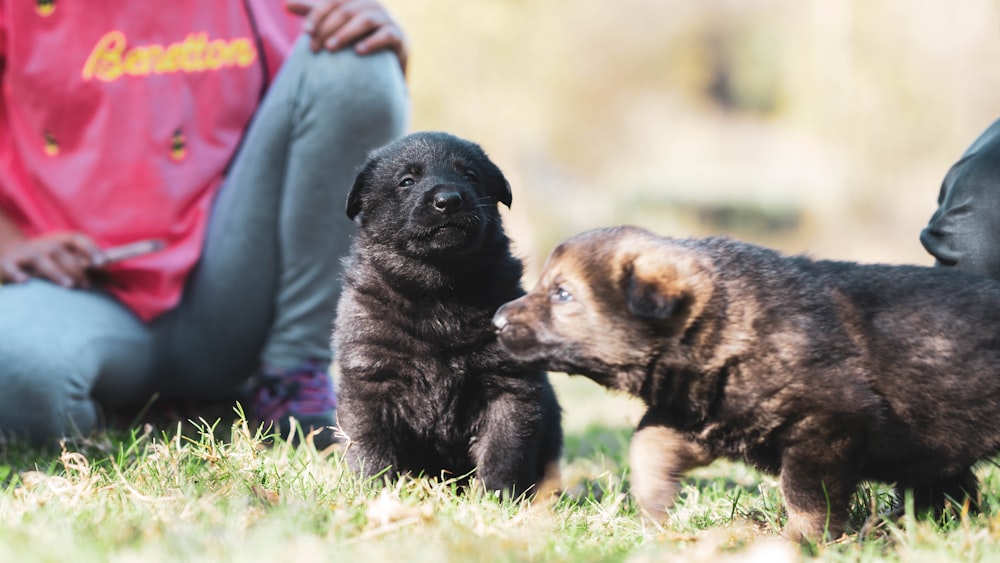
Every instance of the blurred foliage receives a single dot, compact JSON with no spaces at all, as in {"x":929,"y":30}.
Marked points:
{"x":837,"y":119}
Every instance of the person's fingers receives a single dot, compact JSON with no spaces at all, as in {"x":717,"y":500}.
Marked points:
{"x":88,"y":250}
{"x":387,"y":37}
{"x":328,"y":32}
{"x":366,"y":23}
{"x":45,"y":267}
{"x":12,"y":272}
{"x":72,"y":264}
{"x":63,"y":258}
{"x":323,"y":20}
{"x":358,"y":25}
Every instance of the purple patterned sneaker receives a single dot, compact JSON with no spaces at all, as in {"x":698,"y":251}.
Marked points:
{"x":304,"y":393}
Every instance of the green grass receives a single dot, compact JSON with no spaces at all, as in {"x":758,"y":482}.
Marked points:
{"x":219,"y":494}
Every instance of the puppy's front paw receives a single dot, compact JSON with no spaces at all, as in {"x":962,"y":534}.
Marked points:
{"x":659,"y":456}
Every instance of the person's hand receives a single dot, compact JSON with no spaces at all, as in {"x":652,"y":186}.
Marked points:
{"x":65,"y":258}
{"x":334,"y":24}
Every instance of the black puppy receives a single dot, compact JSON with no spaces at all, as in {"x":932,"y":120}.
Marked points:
{"x":424,"y":386}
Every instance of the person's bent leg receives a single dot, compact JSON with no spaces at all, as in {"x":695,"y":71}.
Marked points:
{"x":266,"y":286}
{"x":347,"y":105}
{"x":60,"y":350}
{"x":964,"y":231}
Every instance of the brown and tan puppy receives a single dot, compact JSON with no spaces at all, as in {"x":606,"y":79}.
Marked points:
{"x":825,"y":373}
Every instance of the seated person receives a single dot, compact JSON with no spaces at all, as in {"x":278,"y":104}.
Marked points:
{"x":230,"y":131}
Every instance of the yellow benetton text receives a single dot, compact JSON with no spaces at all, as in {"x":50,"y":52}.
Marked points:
{"x":111,"y":58}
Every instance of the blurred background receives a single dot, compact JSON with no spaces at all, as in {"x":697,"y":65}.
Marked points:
{"x":812,"y":126}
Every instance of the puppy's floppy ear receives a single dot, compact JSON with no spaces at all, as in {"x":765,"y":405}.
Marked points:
{"x":647,"y":300}
{"x":496,"y":184}
{"x":361,"y":181}
{"x":666,"y":287}
{"x":502,"y":193}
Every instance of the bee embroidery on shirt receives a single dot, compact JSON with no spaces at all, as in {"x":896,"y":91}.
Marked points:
{"x":178,"y":145}
{"x":51,"y":145}
{"x":45,"y":7}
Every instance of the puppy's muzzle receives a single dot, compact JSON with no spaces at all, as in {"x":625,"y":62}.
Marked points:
{"x":516,"y":336}
{"x":500,"y":321}
{"x":508,"y":327}
{"x":502,"y":318}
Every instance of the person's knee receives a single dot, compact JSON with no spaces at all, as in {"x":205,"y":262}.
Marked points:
{"x":44,"y":395}
{"x":367,"y":90}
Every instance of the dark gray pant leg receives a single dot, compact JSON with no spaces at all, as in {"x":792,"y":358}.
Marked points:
{"x":59,"y":350}
{"x":267,"y":285}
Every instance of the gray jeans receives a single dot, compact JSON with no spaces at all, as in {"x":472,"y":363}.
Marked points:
{"x":265,"y":289}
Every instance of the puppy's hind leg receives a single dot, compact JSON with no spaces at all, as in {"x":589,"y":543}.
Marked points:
{"x":817,"y":491}
{"x":959,"y":493}
{"x":658,"y":458}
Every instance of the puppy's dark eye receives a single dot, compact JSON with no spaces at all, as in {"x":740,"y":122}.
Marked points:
{"x":406,"y":182}
{"x":560,"y":293}
{"x":470,"y":176}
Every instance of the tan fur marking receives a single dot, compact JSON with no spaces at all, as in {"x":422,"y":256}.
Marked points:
{"x":806,"y":525}
{"x":658,"y":457}
{"x":676,"y":272}
{"x":547,"y":491}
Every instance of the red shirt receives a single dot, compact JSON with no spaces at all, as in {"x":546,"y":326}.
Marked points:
{"x":118,"y":119}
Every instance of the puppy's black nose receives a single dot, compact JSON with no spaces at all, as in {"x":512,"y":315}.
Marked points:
{"x":447,"y":202}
